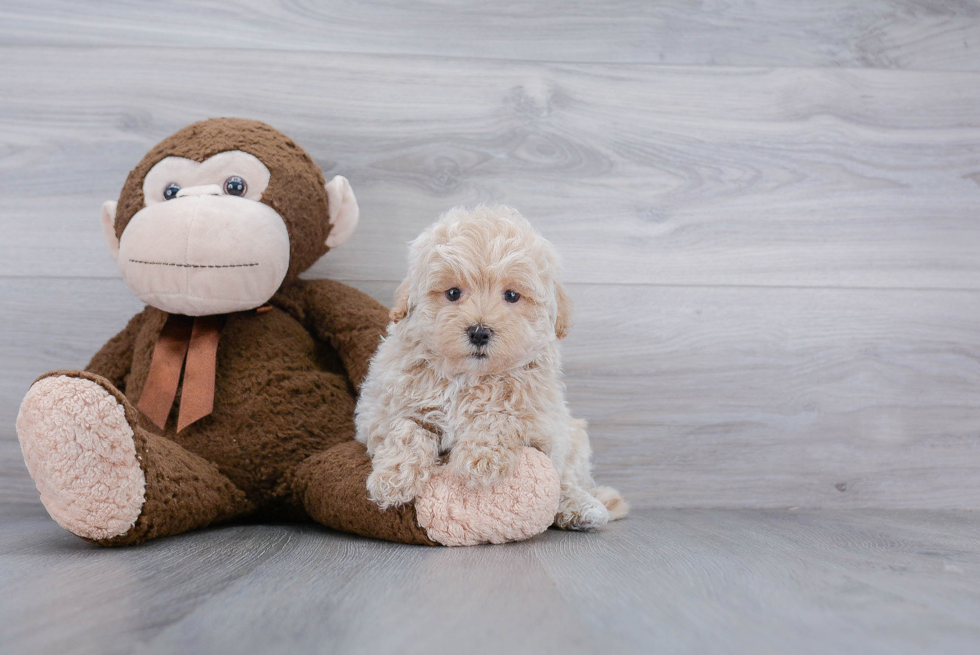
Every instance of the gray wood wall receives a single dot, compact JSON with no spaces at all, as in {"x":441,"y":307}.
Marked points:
{"x":769,"y":212}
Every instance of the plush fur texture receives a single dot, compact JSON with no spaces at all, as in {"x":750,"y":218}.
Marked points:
{"x":279,"y":443}
{"x":297,"y":193}
{"x":456,"y":516}
{"x":79,"y":449}
{"x":433,"y":391}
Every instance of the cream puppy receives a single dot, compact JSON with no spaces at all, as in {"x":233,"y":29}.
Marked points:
{"x":470,"y":368}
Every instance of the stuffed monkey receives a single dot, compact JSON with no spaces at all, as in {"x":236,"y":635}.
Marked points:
{"x":231,"y":395}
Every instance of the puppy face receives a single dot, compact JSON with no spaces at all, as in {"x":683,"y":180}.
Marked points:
{"x":482,"y":291}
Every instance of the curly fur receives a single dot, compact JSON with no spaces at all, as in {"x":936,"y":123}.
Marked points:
{"x":432,"y":395}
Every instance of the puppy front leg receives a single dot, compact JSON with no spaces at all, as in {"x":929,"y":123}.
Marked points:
{"x":578,"y":506}
{"x":488,"y":449}
{"x":402,"y":462}
{"x":578,"y":509}
{"x":582,"y":505}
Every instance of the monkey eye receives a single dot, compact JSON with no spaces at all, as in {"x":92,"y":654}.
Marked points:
{"x":171,"y":191}
{"x":453,"y":294}
{"x":511,"y":296}
{"x":235,"y":186}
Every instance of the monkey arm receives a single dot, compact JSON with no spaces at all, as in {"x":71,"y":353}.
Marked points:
{"x":115,"y":358}
{"x":349,"y":320}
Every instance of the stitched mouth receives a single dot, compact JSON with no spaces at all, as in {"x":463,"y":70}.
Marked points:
{"x":145,"y":263}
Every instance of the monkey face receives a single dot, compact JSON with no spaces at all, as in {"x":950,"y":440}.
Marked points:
{"x":204,"y":244}
{"x":217,"y":217}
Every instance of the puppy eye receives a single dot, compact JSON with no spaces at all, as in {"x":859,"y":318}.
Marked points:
{"x":453,"y":294}
{"x":511,"y":296}
{"x":170,"y":192}
{"x":235,"y":186}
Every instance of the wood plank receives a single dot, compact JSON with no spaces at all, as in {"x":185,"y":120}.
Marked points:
{"x":16,"y":486}
{"x":766,"y":397}
{"x":696,"y":396}
{"x":777,"y":582}
{"x":337,"y":583}
{"x":639,"y":174}
{"x":682,"y":581}
{"x":63,"y":576}
{"x":939,"y":35}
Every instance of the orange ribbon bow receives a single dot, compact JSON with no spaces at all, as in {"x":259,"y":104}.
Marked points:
{"x":196,"y":341}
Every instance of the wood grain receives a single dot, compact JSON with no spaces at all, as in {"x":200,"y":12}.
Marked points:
{"x":639,"y":174}
{"x":777,"y":582}
{"x":937,"y":35}
{"x":697,"y":397}
{"x":768,"y":213}
{"x":775,"y":268}
{"x":682,"y":581}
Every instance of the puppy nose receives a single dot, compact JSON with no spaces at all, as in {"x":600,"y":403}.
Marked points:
{"x":479,"y":335}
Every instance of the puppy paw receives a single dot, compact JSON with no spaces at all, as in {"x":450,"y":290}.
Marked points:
{"x":581,"y":511}
{"x":395,"y":485}
{"x":482,"y":465}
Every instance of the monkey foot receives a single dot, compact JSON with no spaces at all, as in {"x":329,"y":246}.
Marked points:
{"x":516,"y":508}
{"x":79,"y":448}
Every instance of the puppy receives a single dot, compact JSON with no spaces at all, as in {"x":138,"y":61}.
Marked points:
{"x":470,"y":368}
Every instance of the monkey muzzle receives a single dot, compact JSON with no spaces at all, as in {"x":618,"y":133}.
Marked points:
{"x":203,"y":253}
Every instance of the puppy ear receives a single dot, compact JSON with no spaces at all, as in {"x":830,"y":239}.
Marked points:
{"x":400,"y":309}
{"x":564,"y":320}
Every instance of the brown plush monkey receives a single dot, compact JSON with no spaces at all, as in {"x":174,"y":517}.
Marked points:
{"x":232,"y":394}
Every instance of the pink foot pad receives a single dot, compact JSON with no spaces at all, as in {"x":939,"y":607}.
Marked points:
{"x":514,"y":509}
{"x":80,"y":451}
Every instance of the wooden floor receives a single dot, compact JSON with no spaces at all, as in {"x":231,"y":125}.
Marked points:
{"x":662,"y":581}
{"x":769,"y":214}
{"x":770,"y":219}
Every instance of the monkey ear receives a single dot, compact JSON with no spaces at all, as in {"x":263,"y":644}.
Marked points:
{"x":343,"y":211}
{"x":564,"y":321}
{"x":400,"y":309}
{"x":109,"y":227}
